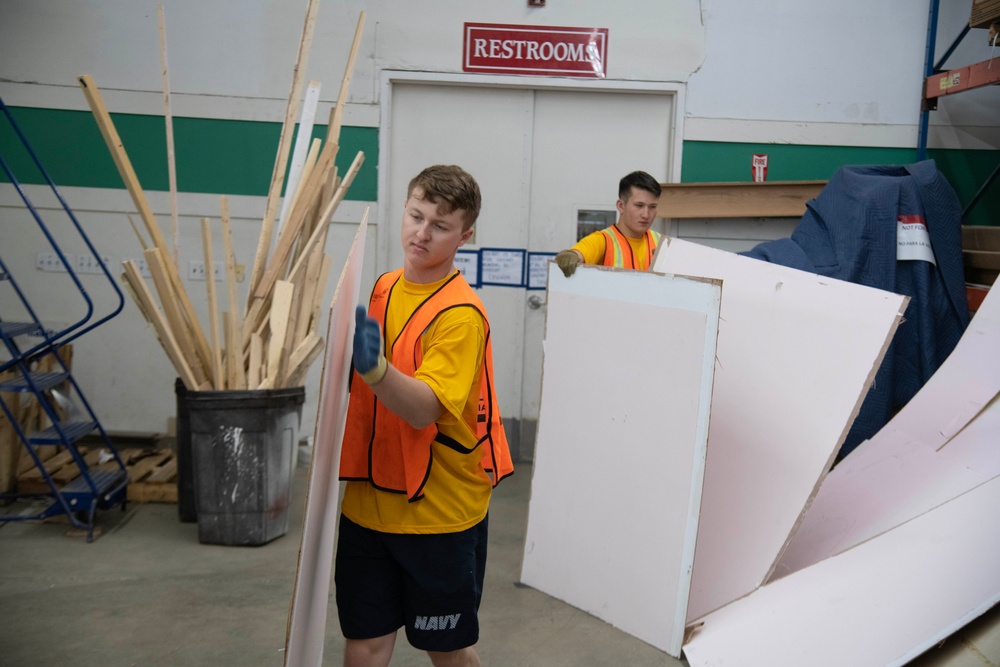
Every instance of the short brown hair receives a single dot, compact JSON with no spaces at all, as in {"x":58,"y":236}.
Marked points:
{"x":451,"y":188}
{"x":637,"y":179}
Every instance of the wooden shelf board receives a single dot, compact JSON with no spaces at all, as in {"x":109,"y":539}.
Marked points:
{"x":770,"y":199}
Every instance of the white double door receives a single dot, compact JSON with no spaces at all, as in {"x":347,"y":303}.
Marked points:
{"x":540,"y":155}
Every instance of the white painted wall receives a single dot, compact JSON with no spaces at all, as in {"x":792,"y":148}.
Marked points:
{"x":845,"y":73}
{"x":751,"y":80}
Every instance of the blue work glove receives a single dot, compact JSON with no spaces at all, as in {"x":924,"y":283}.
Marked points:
{"x":369,"y":359}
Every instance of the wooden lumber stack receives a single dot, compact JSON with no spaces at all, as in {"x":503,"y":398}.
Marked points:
{"x":984,"y":13}
{"x":270,"y":341}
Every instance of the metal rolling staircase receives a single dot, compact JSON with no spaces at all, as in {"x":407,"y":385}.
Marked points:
{"x":33,"y":365}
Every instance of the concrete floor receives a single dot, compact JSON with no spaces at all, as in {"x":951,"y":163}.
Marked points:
{"x":147,"y":593}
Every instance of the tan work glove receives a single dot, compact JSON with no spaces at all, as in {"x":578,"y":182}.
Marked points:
{"x":568,"y":260}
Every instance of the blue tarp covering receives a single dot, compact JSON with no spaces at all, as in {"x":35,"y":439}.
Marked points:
{"x":849,"y":232}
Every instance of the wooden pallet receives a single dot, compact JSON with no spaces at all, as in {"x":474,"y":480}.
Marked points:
{"x":152,"y":476}
{"x":152,"y":473}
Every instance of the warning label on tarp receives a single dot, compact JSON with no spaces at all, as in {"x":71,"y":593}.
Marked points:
{"x":912,"y":239}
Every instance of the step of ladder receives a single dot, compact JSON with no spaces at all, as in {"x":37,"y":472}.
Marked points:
{"x":108,"y":489}
{"x":13,"y":329}
{"x":41,"y":380}
{"x":69,"y":430}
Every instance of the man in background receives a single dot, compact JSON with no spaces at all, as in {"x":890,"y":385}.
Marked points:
{"x":628,"y":243}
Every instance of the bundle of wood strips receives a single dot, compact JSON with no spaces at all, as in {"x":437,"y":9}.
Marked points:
{"x":272,"y":341}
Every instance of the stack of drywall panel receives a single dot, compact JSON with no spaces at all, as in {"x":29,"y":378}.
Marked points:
{"x":794,"y":358}
{"x":619,"y":459}
{"x":899,"y":548}
{"x":797,"y":354}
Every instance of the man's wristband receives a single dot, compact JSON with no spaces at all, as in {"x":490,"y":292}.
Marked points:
{"x":375,"y":375}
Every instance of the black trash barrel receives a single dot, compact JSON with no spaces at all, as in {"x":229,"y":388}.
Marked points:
{"x":242,"y":446}
{"x":185,"y":467}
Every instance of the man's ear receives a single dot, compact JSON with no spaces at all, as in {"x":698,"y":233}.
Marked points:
{"x":467,"y":234}
{"x":620,"y":205}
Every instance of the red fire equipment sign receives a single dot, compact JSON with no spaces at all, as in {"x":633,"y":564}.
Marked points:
{"x":758,"y":166}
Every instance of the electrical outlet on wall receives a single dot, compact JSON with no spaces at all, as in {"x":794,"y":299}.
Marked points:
{"x":50,"y":261}
{"x":196,"y":271}
{"x":86,"y":263}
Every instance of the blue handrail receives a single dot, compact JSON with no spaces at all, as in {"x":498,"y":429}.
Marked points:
{"x":62,"y":337}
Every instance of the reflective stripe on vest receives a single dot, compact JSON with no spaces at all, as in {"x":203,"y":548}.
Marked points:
{"x":616,"y":244}
{"x":384,"y":449}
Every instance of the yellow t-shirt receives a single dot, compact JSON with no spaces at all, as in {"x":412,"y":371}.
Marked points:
{"x":592,"y":247}
{"x":457,"y":493}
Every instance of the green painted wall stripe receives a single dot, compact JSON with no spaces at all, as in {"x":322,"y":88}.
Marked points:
{"x":966,"y":170}
{"x":213,"y":156}
{"x":236,"y":157}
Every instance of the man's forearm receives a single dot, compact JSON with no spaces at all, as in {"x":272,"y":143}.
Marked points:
{"x":408,"y":398}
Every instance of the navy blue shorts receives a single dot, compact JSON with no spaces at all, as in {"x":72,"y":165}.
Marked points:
{"x":430,"y":584}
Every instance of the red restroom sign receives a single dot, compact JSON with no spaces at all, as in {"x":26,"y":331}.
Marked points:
{"x":549,"y":50}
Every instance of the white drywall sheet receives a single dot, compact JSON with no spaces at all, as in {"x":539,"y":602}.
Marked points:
{"x":311,"y":595}
{"x":916,"y":461}
{"x":619,"y":456}
{"x":797,"y":353}
{"x":882,"y":602}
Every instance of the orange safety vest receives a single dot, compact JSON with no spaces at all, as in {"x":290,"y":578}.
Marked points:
{"x":615,"y":245}
{"x":384,"y":449}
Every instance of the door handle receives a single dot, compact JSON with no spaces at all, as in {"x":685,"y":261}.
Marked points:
{"x":535,"y":302}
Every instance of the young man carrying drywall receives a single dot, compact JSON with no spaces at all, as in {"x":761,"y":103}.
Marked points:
{"x":424,"y":444}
